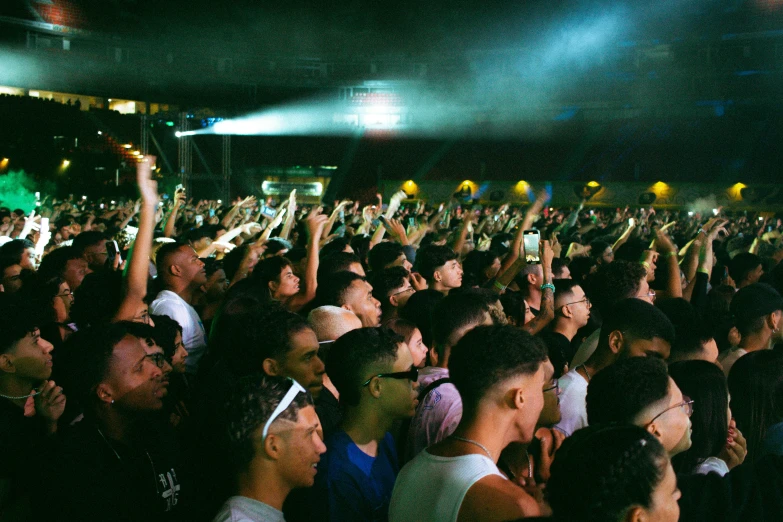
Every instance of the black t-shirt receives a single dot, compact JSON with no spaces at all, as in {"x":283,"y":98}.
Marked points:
{"x":329,"y":413}
{"x":24,"y":443}
{"x":102,"y":479}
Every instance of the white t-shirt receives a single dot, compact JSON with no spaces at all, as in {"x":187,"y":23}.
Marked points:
{"x":244,"y":509}
{"x":728,"y":358}
{"x":712,"y":465}
{"x":193,"y":335}
{"x":573,"y":408}
{"x":431,"y":488}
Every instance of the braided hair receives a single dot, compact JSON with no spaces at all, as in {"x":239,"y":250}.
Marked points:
{"x":603,"y":471}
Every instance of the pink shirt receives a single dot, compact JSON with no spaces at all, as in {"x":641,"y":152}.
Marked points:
{"x":436,"y":416}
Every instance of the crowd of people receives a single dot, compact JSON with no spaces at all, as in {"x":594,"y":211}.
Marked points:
{"x":170,"y":359}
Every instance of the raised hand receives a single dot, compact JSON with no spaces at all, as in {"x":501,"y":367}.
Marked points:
{"x":315,"y":223}
{"x":50,"y":402}
{"x":148,"y":187}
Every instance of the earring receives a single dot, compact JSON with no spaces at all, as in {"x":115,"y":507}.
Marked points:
{"x":112,"y":401}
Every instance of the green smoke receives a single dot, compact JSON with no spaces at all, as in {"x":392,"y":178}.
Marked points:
{"x":17,"y":190}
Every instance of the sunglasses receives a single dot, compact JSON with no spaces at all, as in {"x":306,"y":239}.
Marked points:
{"x":412,"y":375}
{"x":283,"y":405}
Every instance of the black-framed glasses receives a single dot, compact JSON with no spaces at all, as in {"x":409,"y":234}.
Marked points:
{"x":412,"y":375}
{"x":555,"y":386}
{"x":686,"y":405}
{"x":586,"y":301}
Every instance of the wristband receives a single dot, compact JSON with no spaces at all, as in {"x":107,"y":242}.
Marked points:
{"x":701,"y":231}
{"x":548,"y":285}
{"x":499,"y":286}
{"x":670,"y":254}
{"x":645,"y":264}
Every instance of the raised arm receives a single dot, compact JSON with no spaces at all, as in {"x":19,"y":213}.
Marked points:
{"x":137,"y":269}
{"x":315,"y":226}
{"x":291,"y":217}
{"x":179,"y":200}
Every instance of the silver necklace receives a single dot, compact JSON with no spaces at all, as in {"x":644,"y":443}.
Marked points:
{"x":480,"y":445}
{"x":20,"y":398}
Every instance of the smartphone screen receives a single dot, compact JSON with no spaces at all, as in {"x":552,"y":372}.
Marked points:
{"x":531,"y":240}
{"x":268,"y":212}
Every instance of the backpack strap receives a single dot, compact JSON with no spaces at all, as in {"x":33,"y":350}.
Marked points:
{"x":431,"y":386}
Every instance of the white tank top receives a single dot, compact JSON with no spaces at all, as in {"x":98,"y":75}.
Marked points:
{"x":431,"y":488}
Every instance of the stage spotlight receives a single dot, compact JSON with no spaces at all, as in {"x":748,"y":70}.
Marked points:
{"x":178,"y":134}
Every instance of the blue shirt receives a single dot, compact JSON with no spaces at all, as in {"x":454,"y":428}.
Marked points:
{"x":358,"y":486}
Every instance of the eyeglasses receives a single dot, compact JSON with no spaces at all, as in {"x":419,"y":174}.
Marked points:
{"x":555,"y":387}
{"x":283,"y":405}
{"x":412,"y":375}
{"x":409,"y":289}
{"x":586,"y":301}
{"x":686,"y":405}
{"x":69,"y":293}
{"x":158,"y":358}
{"x":650,"y":294}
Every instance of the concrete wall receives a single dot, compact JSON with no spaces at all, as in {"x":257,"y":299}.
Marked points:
{"x":691,"y":196}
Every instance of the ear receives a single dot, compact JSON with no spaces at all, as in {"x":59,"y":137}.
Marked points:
{"x":566,"y":311}
{"x":273,"y":446}
{"x":616,"y":341}
{"x":175,"y":270}
{"x":346,"y":307}
{"x":531,"y":279}
{"x":271,"y":367}
{"x":273,"y":286}
{"x":433,"y":355}
{"x":375,"y":388}
{"x":104,"y":393}
{"x":436,"y":276}
{"x":393,"y":301}
{"x":654,"y":431}
{"x":635,"y":514}
{"x":6,"y":364}
{"x":517,"y":398}
{"x":773,"y":321}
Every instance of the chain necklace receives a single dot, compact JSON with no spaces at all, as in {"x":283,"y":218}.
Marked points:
{"x":35,"y":392}
{"x":470,"y":441}
{"x":584,"y":368}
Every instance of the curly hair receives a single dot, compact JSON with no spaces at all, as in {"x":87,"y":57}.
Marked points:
{"x":248,"y":408}
{"x":615,"y":281}
{"x":602,"y":471}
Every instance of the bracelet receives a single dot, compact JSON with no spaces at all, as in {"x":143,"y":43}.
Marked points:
{"x":701,"y":231}
{"x":499,"y":286}
{"x":670,"y":254}
{"x":548,"y":285}
{"x":645,"y":264}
